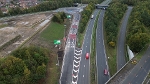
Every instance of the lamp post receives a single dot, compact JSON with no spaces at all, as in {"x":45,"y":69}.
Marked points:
{"x":64,"y":30}
{"x":64,"y":34}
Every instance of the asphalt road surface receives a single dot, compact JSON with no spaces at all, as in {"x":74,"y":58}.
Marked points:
{"x":76,"y":63}
{"x":121,"y":41}
{"x":84,"y":70}
{"x":67,"y":67}
{"x":140,"y":71}
{"x":101,"y":58}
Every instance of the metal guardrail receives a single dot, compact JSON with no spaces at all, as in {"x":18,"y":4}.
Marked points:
{"x":108,"y":82}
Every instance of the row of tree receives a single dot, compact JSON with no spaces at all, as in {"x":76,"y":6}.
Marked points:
{"x":112,"y":20}
{"x":25,"y":66}
{"x":59,"y":17}
{"x":45,"y":6}
{"x":139,"y":27}
{"x":130,"y":2}
{"x":85,"y":15}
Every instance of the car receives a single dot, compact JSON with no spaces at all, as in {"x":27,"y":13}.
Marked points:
{"x":92,"y":16}
{"x":87,"y":55}
{"x":105,"y":72}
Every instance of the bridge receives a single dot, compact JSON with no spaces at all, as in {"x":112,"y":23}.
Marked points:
{"x":98,"y":6}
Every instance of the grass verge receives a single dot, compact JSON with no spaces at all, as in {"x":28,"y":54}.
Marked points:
{"x":93,"y":70}
{"x":3,"y":25}
{"x":54,"y":31}
{"x":52,"y":71}
{"x":80,"y":39}
{"x":111,"y":54}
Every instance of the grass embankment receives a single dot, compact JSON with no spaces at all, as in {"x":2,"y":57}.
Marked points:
{"x":93,"y":70}
{"x":139,"y":55}
{"x":53,"y":32}
{"x":80,"y":39}
{"x":111,"y":30}
{"x":3,"y":25}
{"x":111,"y":54}
{"x":53,"y":71}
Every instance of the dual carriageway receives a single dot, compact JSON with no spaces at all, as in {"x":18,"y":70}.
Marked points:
{"x":76,"y":69}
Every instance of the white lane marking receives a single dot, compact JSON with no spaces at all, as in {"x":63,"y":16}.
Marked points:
{"x":75,"y":76}
{"x":74,"y":82}
{"x":77,"y":54}
{"x":83,"y":75}
{"x":76,"y":66}
{"x":75,"y":70}
{"x":77,"y":57}
{"x":76,"y":61}
{"x":78,"y":51}
{"x":84,"y":65}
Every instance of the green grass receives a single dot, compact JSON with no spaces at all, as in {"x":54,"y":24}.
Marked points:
{"x":53,"y":71}
{"x":80,"y":39}
{"x":54,"y":31}
{"x":93,"y":70}
{"x":112,"y":54}
{"x":3,"y":25}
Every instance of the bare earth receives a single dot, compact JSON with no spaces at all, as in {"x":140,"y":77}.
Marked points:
{"x":25,"y":26}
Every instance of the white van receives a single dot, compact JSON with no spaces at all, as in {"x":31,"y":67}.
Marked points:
{"x":92,"y":16}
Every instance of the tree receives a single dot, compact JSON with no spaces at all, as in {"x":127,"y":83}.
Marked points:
{"x":41,"y":70}
{"x":12,"y":70}
{"x":1,"y":14}
{"x":138,"y":41}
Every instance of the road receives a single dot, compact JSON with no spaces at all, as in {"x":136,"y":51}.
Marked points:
{"x":67,"y":67}
{"x":121,"y":40}
{"x":140,"y":71}
{"x":84,"y":69}
{"x":101,"y":58}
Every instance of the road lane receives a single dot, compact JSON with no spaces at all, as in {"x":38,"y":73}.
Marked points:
{"x":121,"y":40}
{"x":101,"y":58}
{"x":67,"y":67}
{"x":140,"y":71}
{"x":84,"y":72}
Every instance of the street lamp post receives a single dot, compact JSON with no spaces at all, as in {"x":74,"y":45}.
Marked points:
{"x":64,"y":34}
{"x":64,"y":30}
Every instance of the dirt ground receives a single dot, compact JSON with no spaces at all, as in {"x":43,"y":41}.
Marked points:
{"x":24,"y":26}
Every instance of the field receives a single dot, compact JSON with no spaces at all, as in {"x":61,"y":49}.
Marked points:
{"x":25,"y":26}
{"x":54,"y":31}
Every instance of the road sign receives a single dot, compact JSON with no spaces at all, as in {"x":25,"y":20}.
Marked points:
{"x":57,"y":42}
{"x":68,"y":16}
{"x":78,"y":44}
{"x":72,"y":36}
{"x":64,"y":39}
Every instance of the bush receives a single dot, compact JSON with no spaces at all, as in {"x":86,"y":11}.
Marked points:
{"x":138,"y":31}
{"x":112,"y":20}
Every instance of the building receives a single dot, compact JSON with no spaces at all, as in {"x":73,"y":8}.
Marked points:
{"x":27,"y":3}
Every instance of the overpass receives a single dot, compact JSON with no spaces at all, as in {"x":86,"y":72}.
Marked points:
{"x":98,"y":6}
